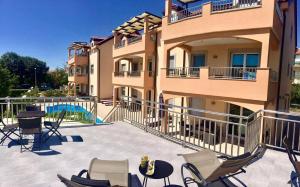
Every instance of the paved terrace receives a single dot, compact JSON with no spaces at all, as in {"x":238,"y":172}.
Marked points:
{"x":117,"y":141}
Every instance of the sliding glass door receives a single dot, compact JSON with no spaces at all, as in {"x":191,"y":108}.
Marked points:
{"x":244,"y":65}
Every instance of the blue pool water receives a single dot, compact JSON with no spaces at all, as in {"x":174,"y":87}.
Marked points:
{"x":72,"y":108}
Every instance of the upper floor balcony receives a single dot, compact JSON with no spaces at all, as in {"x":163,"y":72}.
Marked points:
{"x":134,"y":78}
{"x":225,"y":82}
{"x":78,"y":59}
{"x":78,"y":78}
{"x":196,"y":18}
{"x":136,"y":35}
{"x":78,"y":53}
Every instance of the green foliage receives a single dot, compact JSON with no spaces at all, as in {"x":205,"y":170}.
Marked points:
{"x":7,"y":81}
{"x":57,"y":78}
{"x":24,"y":68}
{"x":72,"y":116}
{"x":54,"y":93}
{"x":33,"y":93}
{"x":295,"y":94}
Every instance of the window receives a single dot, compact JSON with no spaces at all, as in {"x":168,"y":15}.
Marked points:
{"x":195,"y":103}
{"x":123,"y":67}
{"x":172,"y":63}
{"x":245,"y":60}
{"x":123,"y":91}
{"x":244,"y":65}
{"x":92,"y":69}
{"x":198,"y":60}
{"x":238,"y":111}
{"x":78,"y":70}
{"x":92,"y":89}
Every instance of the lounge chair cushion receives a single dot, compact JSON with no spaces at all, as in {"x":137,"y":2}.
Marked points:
{"x":114,"y":171}
{"x":205,"y":161}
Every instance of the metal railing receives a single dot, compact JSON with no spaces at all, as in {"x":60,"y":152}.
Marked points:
{"x":183,"y":72}
{"x":277,"y":125}
{"x":240,"y":73}
{"x":79,"y":109}
{"x":134,"y":73}
{"x":186,"y":13}
{"x":221,"y":5}
{"x":120,"y":44}
{"x":119,"y":73}
{"x":134,"y":39}
{"x":223,"y":133}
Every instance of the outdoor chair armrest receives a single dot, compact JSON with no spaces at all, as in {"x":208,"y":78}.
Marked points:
{"x":90,"y":182}
{"x":224,"y":157}
{"x":83,"y":172}
{"x":245,"y":155}
{"x":190,"y":167}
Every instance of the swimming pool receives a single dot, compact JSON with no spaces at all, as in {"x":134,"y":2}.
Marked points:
{"x":72,"y":108}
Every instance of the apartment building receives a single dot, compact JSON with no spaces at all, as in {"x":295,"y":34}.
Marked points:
{"x":135,"y":57}
{"x":78,"y":68}
{"x":297,"y":67}
{"x":90,"y":66}
{"x":223,"y":56}
{"x":101,"y":66}
{"x":228,"y":56}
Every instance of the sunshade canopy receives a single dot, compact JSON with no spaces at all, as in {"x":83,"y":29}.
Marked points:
{"x":79,"y":45}
{"x":137,"y":23}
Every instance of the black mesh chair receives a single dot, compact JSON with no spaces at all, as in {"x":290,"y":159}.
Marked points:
{"x":54,"y":126}
{"x":8,"y":131}
{"x":33,"y":108}
{"x":292,"y":158}
{"x":30,"y":126}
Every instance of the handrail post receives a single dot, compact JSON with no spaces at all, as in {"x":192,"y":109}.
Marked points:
{"x":261,"y":127}
{"x":95,"y":110}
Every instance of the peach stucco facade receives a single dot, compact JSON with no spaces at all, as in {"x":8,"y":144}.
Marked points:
{"x":219,"y":36}
{"x":90,"y":68}
{"x":212,"y":56}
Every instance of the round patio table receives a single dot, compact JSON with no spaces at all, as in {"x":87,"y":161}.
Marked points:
{"x":162,"y":170}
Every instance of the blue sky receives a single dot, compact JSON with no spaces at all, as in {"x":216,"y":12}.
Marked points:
{"x":44,"y":28}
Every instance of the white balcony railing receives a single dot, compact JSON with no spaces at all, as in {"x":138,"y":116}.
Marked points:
{"x":220,"y":5}
{"x":134,"y":39}
{"x":185,"y":13}
{"x":240,"y":73}
{"x":183,"y":72}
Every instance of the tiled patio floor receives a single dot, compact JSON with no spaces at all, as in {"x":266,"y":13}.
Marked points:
{"x":118,"y":141}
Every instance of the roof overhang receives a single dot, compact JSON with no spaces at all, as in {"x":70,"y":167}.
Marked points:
{"x":136,"y":23}
{"x":187,"y":1}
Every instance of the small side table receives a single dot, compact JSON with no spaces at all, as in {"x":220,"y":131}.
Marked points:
{"x":162,"y":170}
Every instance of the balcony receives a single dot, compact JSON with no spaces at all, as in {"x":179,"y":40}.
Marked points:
{"x":133,"y":78}
{"x":252,"y":83}
{"x":130,"y":46}
{"x":79,"y":59}
{"x":219,"y":16}
{"x":78,"y":78}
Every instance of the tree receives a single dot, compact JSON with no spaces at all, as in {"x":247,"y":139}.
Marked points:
{"x":57,"y":78}
{"x":24,"y":68}
{"x":295,"y":94}
{"x":7,"y":81}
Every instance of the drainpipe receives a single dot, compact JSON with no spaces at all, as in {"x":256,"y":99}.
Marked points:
{"x":155,"y":67}
{"x":89,"y":61}
{"x":281,"y":60}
